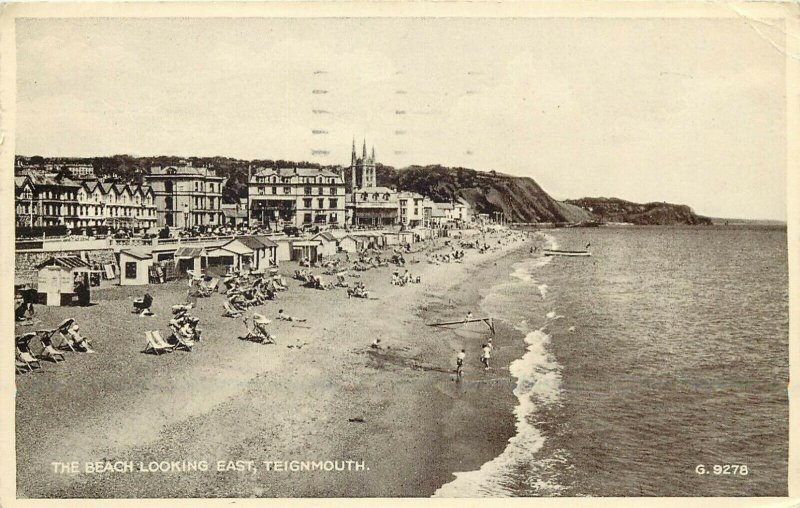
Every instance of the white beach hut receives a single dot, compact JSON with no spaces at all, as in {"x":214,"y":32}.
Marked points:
{"x":134,"y":267}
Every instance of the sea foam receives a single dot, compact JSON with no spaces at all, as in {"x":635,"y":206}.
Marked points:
{"x":538,"y":382}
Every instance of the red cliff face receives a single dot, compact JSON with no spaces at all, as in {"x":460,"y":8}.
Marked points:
{"x":521,"y":199}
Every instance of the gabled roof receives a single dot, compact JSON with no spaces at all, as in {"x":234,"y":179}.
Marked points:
{"x":241,"y":248}
{"x":42,"y":178}
{"x":251,"y":241}
{"x":137,"y":253}
{"x":91,"y":185}
{"x":67,"y":262}
{"x":326,"y":235}
{"x":267,"y":242}
{"x":21,"y":181}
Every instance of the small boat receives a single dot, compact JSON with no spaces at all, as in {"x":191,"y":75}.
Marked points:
{"x":555,"y":252}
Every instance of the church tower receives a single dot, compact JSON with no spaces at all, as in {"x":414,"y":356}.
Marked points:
{"x":363,"y":169}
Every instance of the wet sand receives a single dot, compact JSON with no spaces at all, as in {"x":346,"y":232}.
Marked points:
{"x":397,"y":411}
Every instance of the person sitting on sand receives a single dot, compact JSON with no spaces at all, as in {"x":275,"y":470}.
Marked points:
{"x":286,"y":317}
{"x":468,"y":317}
{"x":77,"y":340}
{"x":20,"y":308}
{"x":376,"y":344}
{"x":260,"y":323}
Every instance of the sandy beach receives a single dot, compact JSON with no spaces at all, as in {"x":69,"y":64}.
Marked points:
{"x":396,"y":411}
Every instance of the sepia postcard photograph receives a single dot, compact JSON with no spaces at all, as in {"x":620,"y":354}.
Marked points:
{"x":365,"y":250}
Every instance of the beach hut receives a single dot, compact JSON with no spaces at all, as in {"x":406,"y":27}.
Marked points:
{"x":261,"y":252}
{"x":245,"y":255}
{"x":328,"y":243}
{"x":134,"y":267}
{"x":305,"y":249}
{"x":56,"y":279}
{"x":221,"y":259}
{"x":190,"y":258}
{"x":351,"y":243}
{"x":284,"y":249}
{"x":423,"y":232}
{"x":271,"y":251}
{"x":391,"y":239}
{"x":405,"y":238}
{"x":371,"y":240}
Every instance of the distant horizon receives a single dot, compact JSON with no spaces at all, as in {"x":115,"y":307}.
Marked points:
{"x":761,"y":219}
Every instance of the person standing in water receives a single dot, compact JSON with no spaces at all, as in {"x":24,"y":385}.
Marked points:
{"x":487,"y":353}
{"x":460,"y":364}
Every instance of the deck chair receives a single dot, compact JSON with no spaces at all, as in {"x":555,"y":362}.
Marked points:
{"x":154,"y":345}
{"x":24,"y":353}
{"x":21,"y":367}
{"x":63,"y":331}
{"x":48,"y":351}
{"x":230,"y":311}
{"x":72,"y":338}
{"x":109,"y":271}
{"x":158,"y":339}
{"x":213,"y":284}
{"x":181,"y":341}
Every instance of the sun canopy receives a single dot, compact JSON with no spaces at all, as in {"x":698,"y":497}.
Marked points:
{"x":189,"y":252}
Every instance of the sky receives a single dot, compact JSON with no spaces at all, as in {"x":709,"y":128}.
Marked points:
{"x":687,"y":111}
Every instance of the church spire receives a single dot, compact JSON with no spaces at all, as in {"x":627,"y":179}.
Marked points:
{"x":373,"y":153}
{"x":353,"y":155}
{"x":364,"y":149}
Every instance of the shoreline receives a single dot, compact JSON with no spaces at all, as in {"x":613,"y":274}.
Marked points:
{"x":399,"y":411}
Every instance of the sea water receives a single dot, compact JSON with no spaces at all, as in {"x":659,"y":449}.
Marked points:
{"x":665,"y":351}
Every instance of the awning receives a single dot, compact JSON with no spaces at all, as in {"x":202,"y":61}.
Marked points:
{"x":137,"y":253}
{"x":375,"y":213}
{"x":189,"y":252}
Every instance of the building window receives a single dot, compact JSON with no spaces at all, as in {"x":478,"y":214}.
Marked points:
{"x":308,"y":191}
{"x":287,"y":190}
{"x":261,"y":190}
{"x":333,"y":203}
{"x":307,"y":218}
{"x":307,"y":203}
{"x":333,"y":191}
{"x":274,"y":190}
{"x":130,"y":270}
{"x":320,"y":203}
